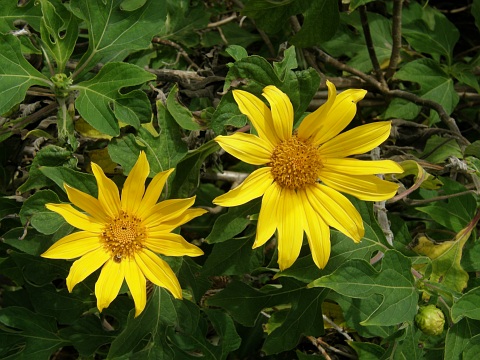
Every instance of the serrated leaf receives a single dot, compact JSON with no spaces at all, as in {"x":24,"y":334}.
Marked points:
{"x":438,"y":149}
{"x":36,"y":203}
{"x":320,"y":23}
{"x":38,"y":333}
{"x":16,"y":73}
{"x":101,"y":103}
{"x":236,"y":52}
{"x":434,"y":83}
{"x":59,"y":32}
{"x":107,"y":26}
{"x":394,"y":282}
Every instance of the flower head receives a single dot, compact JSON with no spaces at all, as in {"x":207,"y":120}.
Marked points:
{"x":122,"y":235}
{"x":305,"y":170}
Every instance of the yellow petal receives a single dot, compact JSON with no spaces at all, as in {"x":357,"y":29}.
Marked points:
{"x":76,"y":218}
{"x":336,"y":210}
{"x":109,"y":283}
{"x":87,"y":203}
{"x":73,"y":246}
{"x":134,"y":185}
{"x":171,"y":245}
{"x":357,"y":141}
{"x":252,"y":187}
{"x":137,"y":285}
{"x":246,"y":147}
{"x":86,"y":265}
{"x":158,"y":272}
{"x":290,"y":228}
{"x":166,"y":210}
{"x":107,"y":192}
{"x":259,"y":115}
{"x":282,"y":111}
{"x":364,"y":187}
{"x":316,"y":121}
{"x":340,"y":115}
{"x":318,"y":233}
{"x":267,"y":219}
{"x":361,"y":167}
{"x":172,"y":224}
{"x":154,"y":190}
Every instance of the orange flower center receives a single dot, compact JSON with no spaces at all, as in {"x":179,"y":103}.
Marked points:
{"x":295,"y":163}
{"x":123,"y":236}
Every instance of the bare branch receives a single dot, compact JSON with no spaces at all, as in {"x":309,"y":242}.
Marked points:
{"x":396,"y":37}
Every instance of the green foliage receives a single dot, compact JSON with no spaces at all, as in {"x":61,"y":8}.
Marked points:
{"x":85,"y":81}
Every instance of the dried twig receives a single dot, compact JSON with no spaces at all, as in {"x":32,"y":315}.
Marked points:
{"x":319,"y":347}
{"x":370,"y":46}
{"x":396,"y":38}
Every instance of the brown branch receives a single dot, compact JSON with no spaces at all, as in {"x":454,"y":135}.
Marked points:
{"x":396,"y":38}
{"x":370,"y":47}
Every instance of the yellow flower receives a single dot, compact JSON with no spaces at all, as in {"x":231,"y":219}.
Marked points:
{"x":305,"y":170}
{"x":123,"y":235}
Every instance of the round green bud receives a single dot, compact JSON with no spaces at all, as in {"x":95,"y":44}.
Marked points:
{"x":430,"y":320}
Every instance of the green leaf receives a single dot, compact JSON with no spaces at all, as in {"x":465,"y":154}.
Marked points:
{"x":38,"y":334}
{"x":107,"y":24}
{"x":320,"y":23}
{"x":476,"y":12}
{"x":304,"y":318}
{"x":9,"y":207}
{"x":434,"y":83}
{"x":438,"y":149}
{"x":236,"y":52}
{"x":50,"y":155}
{"x":233,"y":222}
{"x":467,"y":306}
{"x":394,"y":282}
{"x":458,"y":338}
{"x":16,"y":73}
{"x":187,"y":174}
{"x":30,"y":242}
{"x":234,"y":257}
{"x":437,"y":40}
{"x":227,"y":114}
{"x":160,"y":310}
{"x":12,"y":12}
{"x":79,"y":180}
{"x":87,"y":335}
{"x":101,"y":103}
{"x":272,"y":16}
{"x":36,"y":203}
{"x":163,"y":149}
{"x":244,"y":303}
{"x":59,"y":32}
{"x":367,"y":351}
{"x":181,"y":114}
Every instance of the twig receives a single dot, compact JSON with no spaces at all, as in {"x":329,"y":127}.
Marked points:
{"x":223,"y":21}
{"x":396,"y":38}
{"x":180,"y":50}
{"x":370,"y":47}
{"x":319,"y":347}
{"x":336,"y":327}
{"x":335,"y":350}
{"x":438,"y":198}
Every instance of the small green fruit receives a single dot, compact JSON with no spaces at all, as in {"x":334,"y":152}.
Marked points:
{"x":430,"y":320}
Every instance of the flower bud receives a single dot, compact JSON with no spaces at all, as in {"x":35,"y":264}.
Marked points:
{"x":430,"y":320}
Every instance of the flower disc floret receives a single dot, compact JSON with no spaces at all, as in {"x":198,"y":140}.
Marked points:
{"x":123,"y":236}
{"x":295,"y":163}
